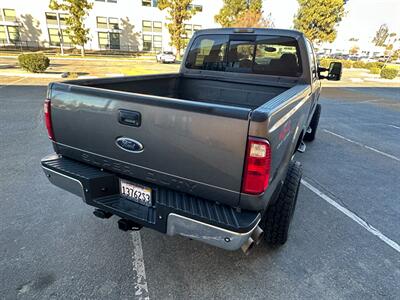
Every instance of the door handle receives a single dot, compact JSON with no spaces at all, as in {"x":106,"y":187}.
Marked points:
{"x":130,"y":118}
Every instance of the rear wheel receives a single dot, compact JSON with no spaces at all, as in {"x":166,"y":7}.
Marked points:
{"x":309,"y":137}
{"x":277,"y":219}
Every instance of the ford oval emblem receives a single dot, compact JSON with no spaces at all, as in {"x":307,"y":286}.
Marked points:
{"x":129,"y":145}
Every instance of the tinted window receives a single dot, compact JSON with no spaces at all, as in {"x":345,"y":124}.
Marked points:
{"x":208,"y":53}
{"x":269,"y":55}
{"x":312,"y":59}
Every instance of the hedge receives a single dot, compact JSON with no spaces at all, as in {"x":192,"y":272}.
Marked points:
{"x":325,"y":62}
{"x":389,"y":73}
{"x":375,"y":70}
{"x":375,"y":64}
{"x":34,"y":62}
{"x":360,"y":65}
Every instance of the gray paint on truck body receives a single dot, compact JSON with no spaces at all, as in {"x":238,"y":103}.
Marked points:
{"x":194,"y":126}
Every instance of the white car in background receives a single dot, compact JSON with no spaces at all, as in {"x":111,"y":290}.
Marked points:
{"x":166,"y":57}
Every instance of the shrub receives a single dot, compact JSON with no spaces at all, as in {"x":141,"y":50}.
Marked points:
{"x":34,"y":62}
{"x":375,"y":64}
{"x":374,"y":70}
{"x":347,"y":63}
{"x":324,"y":62}
{"x":73,"y":75}
{"x":389,"y":73}
{"x":359,"y":65}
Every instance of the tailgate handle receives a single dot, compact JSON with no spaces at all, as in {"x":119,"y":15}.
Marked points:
{"x":130,"y":118}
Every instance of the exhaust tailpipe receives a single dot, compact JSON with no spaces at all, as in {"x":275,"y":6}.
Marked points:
{"x":102,"y":214}
{"x":257,"y":235}
{"x":248,"y":246}
{"x":126,"y":225}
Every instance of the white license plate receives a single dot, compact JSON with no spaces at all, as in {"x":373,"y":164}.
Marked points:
{"x":136,"y":192}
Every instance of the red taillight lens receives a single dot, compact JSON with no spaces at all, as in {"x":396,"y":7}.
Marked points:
{"x":257,"y":166}
{"x":47,"y":118}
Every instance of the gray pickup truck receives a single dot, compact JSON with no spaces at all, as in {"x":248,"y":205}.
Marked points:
{"x":206,"y":153}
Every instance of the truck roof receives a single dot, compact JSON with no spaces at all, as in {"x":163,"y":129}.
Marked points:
{"x":258,"y":31}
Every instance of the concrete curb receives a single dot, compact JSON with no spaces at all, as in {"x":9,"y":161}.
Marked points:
{"x":89,"y":59}
{"x":40,"y":75}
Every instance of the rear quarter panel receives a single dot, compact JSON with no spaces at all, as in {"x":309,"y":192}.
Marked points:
{"x":281,"y":121}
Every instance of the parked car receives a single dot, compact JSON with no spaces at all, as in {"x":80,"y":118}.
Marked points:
{"x":166,"y":57}
{"x":207,"y":153}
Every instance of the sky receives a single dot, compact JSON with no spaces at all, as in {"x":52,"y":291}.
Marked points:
{"x":362,"y":20}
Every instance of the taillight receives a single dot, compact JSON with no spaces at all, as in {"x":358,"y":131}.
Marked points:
{"x":47,"y":118}
{"x":257,"y":166}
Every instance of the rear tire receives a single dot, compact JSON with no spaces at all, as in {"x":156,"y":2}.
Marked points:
{"x":277,"y":219}
{"x":309,"y":137}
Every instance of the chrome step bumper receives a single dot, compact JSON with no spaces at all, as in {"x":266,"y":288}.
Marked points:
{"x":172,"y":212}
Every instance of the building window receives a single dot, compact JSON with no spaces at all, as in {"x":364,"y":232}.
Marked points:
{"x":54,"y":18}
{"x":188,"y":30}
{"x":146,"y":26}
{"x":109,"y":40}
{"x":150,"y":3}
{"x":110,"y":1}
{"x":196,"y":27}
{"x":146,"y":2}
{"x":147,"y":42}
{"x":55,"y":37}
{"x":9,"y":34}
{"x":3,"y":36}
{"x":102,"y":22}
{"x":103,"y":40}
{"x":114,"y":40}
{"x":10,"y":15}
{"x":198,"y":8}
{"x":63,"y":19}
{"x":157,"y":42}
{"x":150,"y":26}
{"x":113,"y":23}
{"x":157,"y":26}
{"x":51,"y":18}
{"x":107,"y":23}
{"x":13,"y":33}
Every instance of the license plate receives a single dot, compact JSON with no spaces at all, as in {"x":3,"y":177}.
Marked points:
{"x":135,"y":192}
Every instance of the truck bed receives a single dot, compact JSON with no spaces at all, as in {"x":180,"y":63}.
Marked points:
{"x":194,"y":131}
{"x":248,"y":95}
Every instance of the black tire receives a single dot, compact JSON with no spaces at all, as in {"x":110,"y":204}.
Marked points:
{"x":277,"y":218}
{"x":309,"y":137}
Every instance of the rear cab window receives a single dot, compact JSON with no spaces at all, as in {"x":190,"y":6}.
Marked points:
{"x":261,"y":54}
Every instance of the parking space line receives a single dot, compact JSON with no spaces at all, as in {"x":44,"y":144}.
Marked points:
{"x":362,"y":145}
{"x":12,"y":83}
{"x":394,"y":126}
{"x":141,"y":289}
{"x":353,"y":216}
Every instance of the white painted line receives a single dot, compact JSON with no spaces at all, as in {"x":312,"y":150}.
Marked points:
{"x":394,"y":126}
{"x":353,"y":216}
{"x":364,"y":146}
{"x":11,"y":83}
{"x":141,"y":289}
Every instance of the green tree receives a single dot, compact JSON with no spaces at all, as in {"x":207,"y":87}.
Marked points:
{"x":179,"y":11}
{"x":234,"y":11}
{"x":253,"y":19}
{"x":78,"y":10}
{"x":318,"y":19}
{"x":381,"y":35}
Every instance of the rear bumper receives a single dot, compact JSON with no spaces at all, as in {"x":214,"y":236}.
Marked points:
{"x":172,"y":212}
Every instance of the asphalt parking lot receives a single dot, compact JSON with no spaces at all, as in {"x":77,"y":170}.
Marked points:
{"x":344,"y":242}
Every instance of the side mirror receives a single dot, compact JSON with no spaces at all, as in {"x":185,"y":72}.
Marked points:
{"x":334,"y":71}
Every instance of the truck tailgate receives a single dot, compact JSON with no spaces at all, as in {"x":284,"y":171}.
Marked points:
{"x":190,"y":146}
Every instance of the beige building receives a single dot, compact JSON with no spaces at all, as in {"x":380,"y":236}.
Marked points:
{"x":129,"y":25}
